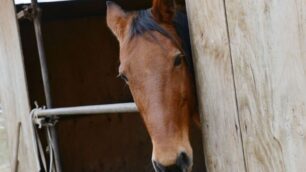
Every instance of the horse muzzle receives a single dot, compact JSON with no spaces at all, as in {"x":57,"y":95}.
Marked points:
{"x":183,"y":164}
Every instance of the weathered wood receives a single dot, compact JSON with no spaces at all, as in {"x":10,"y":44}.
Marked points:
{"x":13,"y":91}
{"x":15,"y":162}
{"x":268,"y":43}
{"x":4,"y":153}
{"x":221,"y":131}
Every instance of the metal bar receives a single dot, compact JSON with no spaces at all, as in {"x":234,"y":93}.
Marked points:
{"x":44,"y":72}
{"x":81,"y":110}
{"x":41,"y":52}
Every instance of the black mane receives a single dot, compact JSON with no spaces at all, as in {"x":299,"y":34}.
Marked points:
{"x":144,"y":22}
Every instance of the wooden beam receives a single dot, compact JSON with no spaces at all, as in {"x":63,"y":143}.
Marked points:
{"x":13,"y":90}
{"x":215,"y":86}
{"x":15,"y":153}
{"x":268,"y":41}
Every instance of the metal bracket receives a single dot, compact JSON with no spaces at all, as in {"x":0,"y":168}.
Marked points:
{"x":45,"y":121}
{"x":28,"y":12}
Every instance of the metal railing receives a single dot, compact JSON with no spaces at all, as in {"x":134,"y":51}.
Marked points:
{"x":82,"y":110}
{"x":48,"y":117}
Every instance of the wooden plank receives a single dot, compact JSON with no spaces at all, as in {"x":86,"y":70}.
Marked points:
{"x":215,"y":83}
{"x":13,"y":91}
{"x":4,"y":153}
{"x":268,"y":43}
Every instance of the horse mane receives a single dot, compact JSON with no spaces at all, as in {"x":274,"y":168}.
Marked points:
{"x":144,"y":21}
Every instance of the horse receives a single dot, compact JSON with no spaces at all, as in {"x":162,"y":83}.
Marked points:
{"x":155,"y":62}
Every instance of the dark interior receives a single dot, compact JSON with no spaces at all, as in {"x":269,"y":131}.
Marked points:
{"x":82,"y":58}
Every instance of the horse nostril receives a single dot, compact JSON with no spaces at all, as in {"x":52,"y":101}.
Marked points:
{"x":183,"y":161}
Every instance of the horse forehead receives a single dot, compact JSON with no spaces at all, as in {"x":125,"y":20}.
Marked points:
{"x":146,"y":46}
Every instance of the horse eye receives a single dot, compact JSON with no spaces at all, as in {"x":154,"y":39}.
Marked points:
{"x":123,"y":77}
{"x":178,"y":60}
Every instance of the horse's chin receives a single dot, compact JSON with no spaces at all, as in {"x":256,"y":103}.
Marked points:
{"x":178,"y":171}
{"x":186,"y":170}
{"x":158,"y":168}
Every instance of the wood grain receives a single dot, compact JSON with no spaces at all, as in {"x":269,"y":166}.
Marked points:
{"x":13,"y":91}
{"x":215,"y":83}
{"x":268,"y":43}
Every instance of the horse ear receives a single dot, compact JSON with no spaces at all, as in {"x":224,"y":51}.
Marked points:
{"x":163,"y":10}
{"x":116,"y":19}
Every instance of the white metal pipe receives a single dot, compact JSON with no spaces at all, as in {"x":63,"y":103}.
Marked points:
{"x":81,"y":110}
